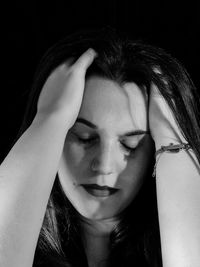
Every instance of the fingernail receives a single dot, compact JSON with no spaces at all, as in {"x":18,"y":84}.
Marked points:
{"x":92,"y":52}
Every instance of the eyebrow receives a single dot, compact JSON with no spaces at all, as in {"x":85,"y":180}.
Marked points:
{"x":86,"y":122}
{"x":93,"y":126}
{"x":136,"y":132}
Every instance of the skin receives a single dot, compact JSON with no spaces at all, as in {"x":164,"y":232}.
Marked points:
{"x":113,"y":111}
{"x":174,"y":171}
{"x":30,"y":167}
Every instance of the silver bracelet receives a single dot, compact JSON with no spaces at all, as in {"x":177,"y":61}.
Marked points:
{"x":171,"y":148}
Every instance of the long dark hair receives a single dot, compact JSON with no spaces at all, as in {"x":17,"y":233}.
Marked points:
{"x":136,"y":240}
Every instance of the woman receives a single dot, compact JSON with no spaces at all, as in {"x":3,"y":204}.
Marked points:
{"x":76,"y":188}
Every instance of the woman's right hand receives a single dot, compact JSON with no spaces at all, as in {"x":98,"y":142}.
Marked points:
{"x":63,"y":90}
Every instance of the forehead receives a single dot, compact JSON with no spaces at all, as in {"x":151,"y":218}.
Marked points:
{"x":106,"y":103}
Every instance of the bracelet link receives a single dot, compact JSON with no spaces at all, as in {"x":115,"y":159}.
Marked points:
{"x":171,"y":148}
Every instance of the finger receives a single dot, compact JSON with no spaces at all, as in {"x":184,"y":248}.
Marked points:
{"x":154,"y":92}
{"x":86,"y":59}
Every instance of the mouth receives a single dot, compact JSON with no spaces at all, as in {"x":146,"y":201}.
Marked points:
{"x":99,"y":191}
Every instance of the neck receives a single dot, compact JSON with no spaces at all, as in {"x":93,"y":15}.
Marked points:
{"x":98,"y":228}
{"x":96,"y":240}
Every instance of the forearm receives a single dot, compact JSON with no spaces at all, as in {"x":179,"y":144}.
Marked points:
{"x":26,"y":178}
{"x":178,"y":195}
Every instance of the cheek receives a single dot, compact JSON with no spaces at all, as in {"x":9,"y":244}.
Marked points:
{"x":73,"y":163}
{"x":133,"y":176}
{"x":76,"y":161}
{"x":138,"y":168}
{"x":74,"y":155}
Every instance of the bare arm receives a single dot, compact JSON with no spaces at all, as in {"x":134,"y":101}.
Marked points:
{"x":178,"y":190}
{"x":178,"y":195}
{"x":26,"y":178}
{"x":28,"y":172}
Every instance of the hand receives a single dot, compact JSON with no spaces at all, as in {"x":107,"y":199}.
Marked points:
{"x":163,"y":126}
{"x":63,"y":90}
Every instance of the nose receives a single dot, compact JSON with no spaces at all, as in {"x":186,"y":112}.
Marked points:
{"x":103,"y":161}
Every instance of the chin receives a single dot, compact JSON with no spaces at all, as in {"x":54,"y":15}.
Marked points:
{"x":98,"y":215}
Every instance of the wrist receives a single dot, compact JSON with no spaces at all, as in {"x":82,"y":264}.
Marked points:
{"x":55,"y":119}
{"x":167,"y":141}
{"x":171,"y":148}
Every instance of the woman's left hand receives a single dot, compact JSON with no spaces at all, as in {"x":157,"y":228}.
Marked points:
{"x":163,"y":126}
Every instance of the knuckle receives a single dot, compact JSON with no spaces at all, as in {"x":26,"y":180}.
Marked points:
{"x":77,"y":69}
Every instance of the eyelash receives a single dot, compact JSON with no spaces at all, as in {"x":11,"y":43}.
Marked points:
{"x":86,"y":141}
{"x":89,"y":140}
{"x":127,"y":148}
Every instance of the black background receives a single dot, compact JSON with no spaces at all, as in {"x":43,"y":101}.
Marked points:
{"x":32,"y":26}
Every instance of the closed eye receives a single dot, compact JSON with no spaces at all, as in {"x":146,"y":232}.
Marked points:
{"x":128,"y":148}
{"x":86,"y":140}
{"x":90,"y":140}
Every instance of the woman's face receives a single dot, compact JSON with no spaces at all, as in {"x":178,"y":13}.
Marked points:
{"x":107,"y":152}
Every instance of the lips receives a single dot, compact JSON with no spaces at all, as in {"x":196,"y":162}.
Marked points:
{"x":99,"y":191}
